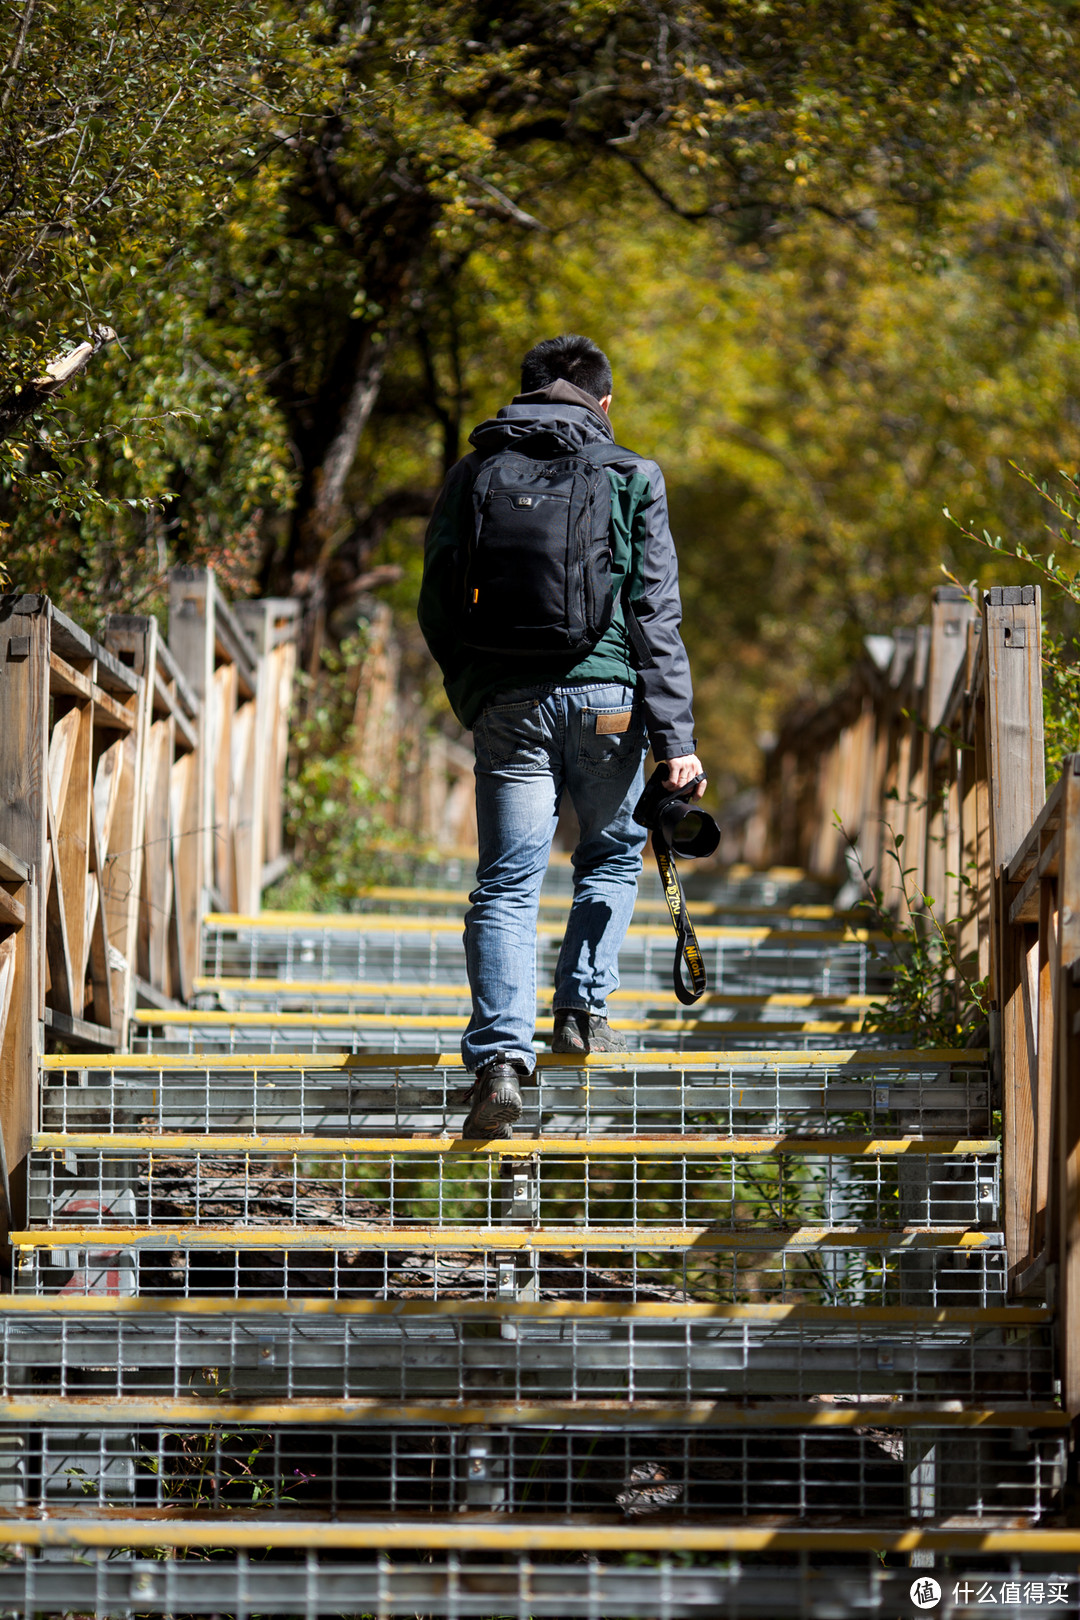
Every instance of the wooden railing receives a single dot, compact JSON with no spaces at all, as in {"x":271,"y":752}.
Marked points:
{"x":934,"y":750}
{"x":140,"y":782}
{"x":424,"y":777}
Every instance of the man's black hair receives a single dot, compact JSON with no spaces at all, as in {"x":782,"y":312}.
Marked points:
{"x":574,"y":359}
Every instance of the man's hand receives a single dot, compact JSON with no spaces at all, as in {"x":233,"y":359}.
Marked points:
{"x":683,"y":770}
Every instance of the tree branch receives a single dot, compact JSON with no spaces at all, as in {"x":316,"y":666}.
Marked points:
{"x":506,"y":209}
{"x":16,"y":56}
{"x":25,"y":401}
{"x":718,"y":210}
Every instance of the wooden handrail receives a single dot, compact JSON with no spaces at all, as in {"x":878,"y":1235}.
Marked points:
{"x":138,"y":783}
{"x":941,"y":743}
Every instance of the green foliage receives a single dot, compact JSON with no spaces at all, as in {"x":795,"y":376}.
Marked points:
{"x":1058,"y":570}
{"x":333,"y":818}
{"x":122,"y":129}
{"x":935,"y":998}
{"x":829,"y":249}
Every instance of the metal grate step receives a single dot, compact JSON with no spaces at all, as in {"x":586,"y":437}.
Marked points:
{"x":390,"y":998}
{"x":715,"y":1299}
{"x":759,"y":960}
{"x":70,"y":1355}
{"x":708,"y":907}
{"x":526,"y":1587}
{"x":949,"y":1266}
{"x":776,"y":886}
{"x":579,"y":1183}
{"x":831,"y":1092}
{"x":227,"y":1031}
{"x":422,"y":1464}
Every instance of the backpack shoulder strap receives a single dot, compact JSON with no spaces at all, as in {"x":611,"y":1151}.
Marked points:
{"x":604,"y":453}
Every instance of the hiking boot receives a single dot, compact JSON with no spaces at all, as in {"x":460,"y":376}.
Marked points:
{"x":496,"y":1099}
{"x":579,"y":1031}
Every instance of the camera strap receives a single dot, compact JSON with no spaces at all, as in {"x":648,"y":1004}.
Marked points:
{"x":678,"y":828}
{"x":687,"y":949}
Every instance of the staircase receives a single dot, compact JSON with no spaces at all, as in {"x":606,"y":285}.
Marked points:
{"x":721,"y":1331}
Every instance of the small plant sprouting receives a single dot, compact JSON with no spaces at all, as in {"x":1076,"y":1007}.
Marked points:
{"x":931,"y":998}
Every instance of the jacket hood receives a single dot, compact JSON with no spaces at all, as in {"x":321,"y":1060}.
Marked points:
{"x":552,"y":421}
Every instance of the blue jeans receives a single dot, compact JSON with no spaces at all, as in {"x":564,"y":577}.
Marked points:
{"x":531,"y":745}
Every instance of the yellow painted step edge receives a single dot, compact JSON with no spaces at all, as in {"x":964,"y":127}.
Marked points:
{"x":606,"y":1147}
{"x":703,"y":1239}
{"x":500,"y":1533}
{"x":808,"y":912}
{"x":174,"y":1017}
{"x":887,"y":1316}
{"x":358,"y":922}
{"x":849,"y":1057}
{"x":408,"y":990}
{"x":690,"y":1414}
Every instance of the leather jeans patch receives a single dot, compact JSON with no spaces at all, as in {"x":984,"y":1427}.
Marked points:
{"x":607,"y":725}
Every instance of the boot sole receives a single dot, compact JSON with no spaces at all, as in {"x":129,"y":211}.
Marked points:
{"x":495,"y":1115}
{"x":566,"y":1048}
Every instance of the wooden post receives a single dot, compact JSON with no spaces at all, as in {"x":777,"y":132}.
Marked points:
{"x":18,"y":1014}
{"x":913,"y":799}
{"x":192,"y":605}
{"x":1067,"y":1100}
{"x":222,"y":703}
{"x":872,"y":834}
{"x":970,"y":788}
{"x":283,"y":669}
{"x":270,"y":624}
{"x":134,"y":640}
{"x":984,"y":878}
{"x":895,"y":775}
{"x":1012,"y":637}
{"x":949,"y":617}
{"x":1047,"y":993}
{"x":950,"y":614}
{"x":24,"y":750}
{"x":259,"y":741}
{"x":784,"y":851}
{"x":1014,"y":719}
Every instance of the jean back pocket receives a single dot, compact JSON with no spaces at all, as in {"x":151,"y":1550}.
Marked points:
{"x":512,"y":736}
{"x":612,"y":740}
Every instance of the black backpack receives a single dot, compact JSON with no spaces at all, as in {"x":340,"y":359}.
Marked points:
{"x":536,"y":553}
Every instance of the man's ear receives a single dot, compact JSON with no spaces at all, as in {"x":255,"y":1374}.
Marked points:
{"x":605,"y":404}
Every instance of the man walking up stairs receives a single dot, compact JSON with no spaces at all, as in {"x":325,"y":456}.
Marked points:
{"x":551,"y":603}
